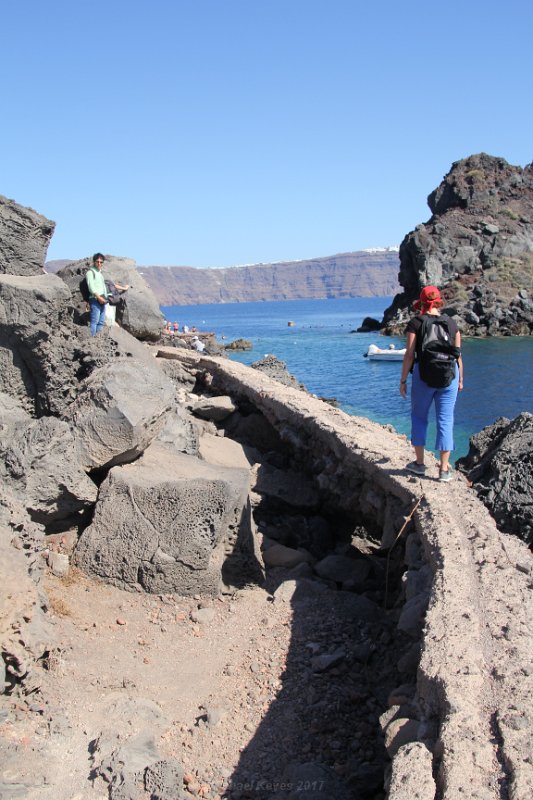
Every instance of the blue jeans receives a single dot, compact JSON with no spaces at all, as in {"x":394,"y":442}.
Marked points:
{"x":97,"y":315}
{"x":422,"y":396}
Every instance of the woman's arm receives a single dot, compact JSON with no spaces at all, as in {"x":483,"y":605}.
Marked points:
{"x":408,"y":360}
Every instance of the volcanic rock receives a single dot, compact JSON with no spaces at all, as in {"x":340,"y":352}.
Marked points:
{"x":119,"y":410}
{"x":239,"y":344}
{"x":164,"y":523}
{"x":39,"y":460}
{"x":214,"y":408}
{"x":411,"y":777}
{"x":477,"y":248}
{"x":277,"y":369}
{"x":499,"y":464}
{"x":24,"y":633}
{"x":24,"y":239}
{"x":369,"y":325}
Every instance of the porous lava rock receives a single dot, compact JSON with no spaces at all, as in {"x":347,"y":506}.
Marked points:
{"x":119,"y":410}
{"x":30,"y":310}
{"x":499,"y":464}
{"x":24,"y":631}
{"x":24,"y":239}
{"x":477,"y":247}
{"x":162,"y":524}
{"x":39,"y":461}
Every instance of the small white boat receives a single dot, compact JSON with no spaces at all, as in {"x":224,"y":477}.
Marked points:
{"x":375,"y":353}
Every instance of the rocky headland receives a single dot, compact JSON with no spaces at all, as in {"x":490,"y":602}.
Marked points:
{"x":215,"y":585}
{"x":477,"y":247}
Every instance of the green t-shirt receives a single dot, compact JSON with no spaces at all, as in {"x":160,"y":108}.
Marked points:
{"x":96,"y":283}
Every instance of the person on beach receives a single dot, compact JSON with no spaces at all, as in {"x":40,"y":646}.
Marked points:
{"x":424,"y":394}
{"x":197,"y":345}
{"x":97,"y":294}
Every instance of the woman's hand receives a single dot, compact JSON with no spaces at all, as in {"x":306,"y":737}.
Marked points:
{"x":403,"y":388}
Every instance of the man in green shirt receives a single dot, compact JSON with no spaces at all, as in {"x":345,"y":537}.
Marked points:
{"x":97,"y":293}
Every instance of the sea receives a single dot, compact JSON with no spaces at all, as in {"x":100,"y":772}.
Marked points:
{"x":322,"y":350}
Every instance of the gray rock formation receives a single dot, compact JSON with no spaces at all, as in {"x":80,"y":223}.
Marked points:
{"x":142,"y":317}
{"x":180,"y":432}
{"x":499,"y":464}
{"x":24,"y":633}
{"x":240,"y":345}
{"x":44,"y":355}
{"x":119,"y":411}
{"x":167,"y":524}
{"x":30,"y":310}
{"x":369,"y":325}
{"x":477,"y":247}
{"x":24,"y":239}
{"x":277,"y":369}
{"x":214,"y":408}
{"x":40,"y":463}
{"x":358,"y":274}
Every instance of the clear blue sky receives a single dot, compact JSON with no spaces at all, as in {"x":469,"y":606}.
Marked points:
{"x":223,"y":132}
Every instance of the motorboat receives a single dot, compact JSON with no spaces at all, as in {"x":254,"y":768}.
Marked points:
{"x":375,"y":353}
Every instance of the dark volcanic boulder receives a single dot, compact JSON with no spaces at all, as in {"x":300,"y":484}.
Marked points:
{"x":39,"y":461}
{"x":277,"y":369}
{"x":119,"y":410}
{"x":239,"y":344}
{"x":24,"y":633}
{"x":369,"y":325}
{"x":141,"y":317}
{"x":34,"y":333}
{"x":24,"y":239}
{"x":477,"y":248}
{"x":500,"y":465}
{"x":167,"y":523}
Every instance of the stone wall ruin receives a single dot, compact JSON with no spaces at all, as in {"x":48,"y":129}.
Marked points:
{"x":466,"y":730}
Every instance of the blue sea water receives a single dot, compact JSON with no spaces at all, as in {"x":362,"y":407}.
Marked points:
{"x":322,"y":351}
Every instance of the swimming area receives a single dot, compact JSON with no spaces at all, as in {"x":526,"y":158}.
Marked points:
{"x":322,"y":352}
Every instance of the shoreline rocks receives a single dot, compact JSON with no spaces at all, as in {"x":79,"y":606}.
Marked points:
{"x":499,"y":463}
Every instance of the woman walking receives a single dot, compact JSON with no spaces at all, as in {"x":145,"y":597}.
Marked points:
{"x":433,"y":356}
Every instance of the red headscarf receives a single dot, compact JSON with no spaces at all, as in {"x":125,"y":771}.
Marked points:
{"x":429,"y":298}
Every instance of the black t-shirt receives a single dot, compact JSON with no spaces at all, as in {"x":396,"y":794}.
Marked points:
{"x":414,"y":325}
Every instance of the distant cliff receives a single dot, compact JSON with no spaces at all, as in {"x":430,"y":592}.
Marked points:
{"x":359,"y":274}
{"x":477,"y":248}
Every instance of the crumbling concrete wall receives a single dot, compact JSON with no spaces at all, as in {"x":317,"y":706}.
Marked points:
{"x":468,"y":596}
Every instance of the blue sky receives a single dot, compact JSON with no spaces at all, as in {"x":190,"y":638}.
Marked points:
{"x":223,"y":132}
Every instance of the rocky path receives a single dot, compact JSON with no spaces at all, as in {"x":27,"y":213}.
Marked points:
{"x":227,"y":693}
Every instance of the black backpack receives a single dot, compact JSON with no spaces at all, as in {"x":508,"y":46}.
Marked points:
{"x":436,"y":352}
{"x":114,"y":296}
{"x":84,"y":289}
